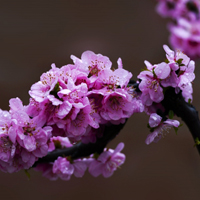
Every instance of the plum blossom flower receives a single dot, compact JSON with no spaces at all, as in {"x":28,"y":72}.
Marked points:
{"x":117,"y":105}
{"x":155,"y":121}
{"x":186,"y":37}
{"x":179,"y":8}
{"x":171,"y":8}
{"x":182,"y":73}
{"x":59,"y":142}
{"x":185,"y":79}
{"x":150,"y":83}
{"x":64,"y":169}
{"x":112,"y":79}
{"x":91,"y":63}
{"x":41,"y":90}
{"x":107,"y":162}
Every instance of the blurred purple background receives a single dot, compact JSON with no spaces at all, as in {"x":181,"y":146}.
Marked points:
{"x":35,"y":34}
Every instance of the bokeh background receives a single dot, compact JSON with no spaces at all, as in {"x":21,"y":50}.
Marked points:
{"x":34,"y":34}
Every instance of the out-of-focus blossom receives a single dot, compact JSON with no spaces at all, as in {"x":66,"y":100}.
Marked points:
{"x":185,"y":35}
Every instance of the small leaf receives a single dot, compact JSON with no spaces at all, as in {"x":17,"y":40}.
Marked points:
{"x":55,"y":90}
{"x":154,"y":74}
{"x":145,"y":68}
{"x":57,"y":144}
{"x":150,"y":128}
{"x":167,"y":61}
{"x":179,"y":61}
{"x":95,"y":155}
{"x":189,"y":101}
{"x":197,"y":142}
{"x":176,"y":128}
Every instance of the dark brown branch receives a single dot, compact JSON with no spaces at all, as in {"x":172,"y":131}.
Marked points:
{"x":184,"y":110}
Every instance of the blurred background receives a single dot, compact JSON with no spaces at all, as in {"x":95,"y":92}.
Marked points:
{"x":35,"y":34}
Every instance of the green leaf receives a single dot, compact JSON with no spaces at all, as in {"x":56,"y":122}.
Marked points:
{"x":171,"y":114}
{"x":55,"y":90}
{"x":150,"y":128}
{"x":145,"y":68}
{"x":176,"y":128}
{"x":189,"y":101}
{"x":197,"y":142}
{"x":154,"y":74}
{"x":167,"y":61}
{"x":95,"y":155}
{"x":69,"y":158}
{"x":57,"y":144}
{"x":179,"y":61}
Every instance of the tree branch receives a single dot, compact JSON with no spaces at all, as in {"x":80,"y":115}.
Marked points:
{"x":184,"y":110}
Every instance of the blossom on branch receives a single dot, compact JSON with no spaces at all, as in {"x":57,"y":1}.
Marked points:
{"x":75,"y":110}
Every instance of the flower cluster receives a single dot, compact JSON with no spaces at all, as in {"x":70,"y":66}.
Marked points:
{"x":22,"y":140}
{"x":185,"y":32}
{"x":68,"y":105}
{"x":78,"y":97}
{"x":176,"y":72}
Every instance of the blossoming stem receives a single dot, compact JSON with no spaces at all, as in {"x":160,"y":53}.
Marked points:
{"x":172,"y":101}
{"x":80,"y":150}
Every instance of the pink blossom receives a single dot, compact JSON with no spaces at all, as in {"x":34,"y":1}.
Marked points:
{"x":150,"y":83}
{"x":178,"y":8}
{"x":91,"y":63}
{"x":186,"y":37}
{"x":41,"y":90}
{"x":92,"y":134}
{"x":160,"y":130}
{"x":112,"y":79}
{"x":59,"y":143}
{"x":107,"y":162}
{"x":78,"y":126}
{"x":171,"y":8}
{"x":154,"y":120}
{"x":64,"y":169}
{"x":117,"y":105}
